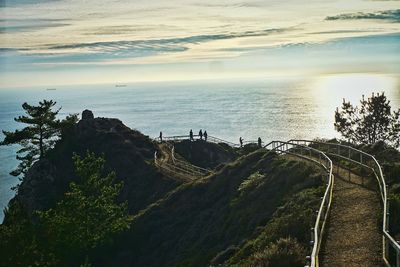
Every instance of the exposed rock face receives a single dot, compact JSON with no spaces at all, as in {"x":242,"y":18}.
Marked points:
{"x":87,"y":115}
{"x":127,"y":152}
{"x":38,"y":185}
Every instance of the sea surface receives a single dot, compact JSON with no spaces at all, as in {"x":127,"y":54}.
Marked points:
{"x":273,"y":109}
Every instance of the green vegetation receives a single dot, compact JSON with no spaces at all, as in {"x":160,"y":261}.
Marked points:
{"x":286,"y":252}
{"x":85,"y":221}
{"x":373,"y":121}
{"x":251,"y":181}
{"x":243,"y":210}
{"x":394,"y":200}
{"x":39,"y":136}
{"x":375,"y":129}
{"x":291,"y":221}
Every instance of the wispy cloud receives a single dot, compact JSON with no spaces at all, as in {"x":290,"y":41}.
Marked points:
{"x":57,"y":34}
{"x":182,"y":40}
{"x":390,"y":15}
{"x":346,"y":31}
{"x":116,"y":50}
{"x":28,"y":25}
{"x":12,"y":3}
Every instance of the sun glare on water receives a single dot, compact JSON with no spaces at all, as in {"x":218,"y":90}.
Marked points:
{"x":353,"y":86}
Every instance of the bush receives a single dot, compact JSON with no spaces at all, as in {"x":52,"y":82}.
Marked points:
{"x":286,"y":252}
{"x":394,"y":200}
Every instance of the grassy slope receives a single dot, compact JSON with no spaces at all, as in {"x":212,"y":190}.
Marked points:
{"x":250,"y":202}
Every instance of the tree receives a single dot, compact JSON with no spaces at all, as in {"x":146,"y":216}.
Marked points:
{"x":371,"y":122}
{"x":81,"y":224}
{"x":39,"y":136}
{"x":89,"y":216}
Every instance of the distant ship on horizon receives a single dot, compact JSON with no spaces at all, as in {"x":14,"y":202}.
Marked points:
{"x":120,"y":85}
{"x":51,"y":89}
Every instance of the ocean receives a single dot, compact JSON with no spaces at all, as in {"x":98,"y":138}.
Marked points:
{"x":273,"y":109}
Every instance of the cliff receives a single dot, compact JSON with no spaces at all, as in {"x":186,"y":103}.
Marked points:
{"x":127,"y":152}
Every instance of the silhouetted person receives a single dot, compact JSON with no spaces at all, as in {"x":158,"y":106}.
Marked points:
{"x":241,"y":141}
{"x":201,"y":134}
{"x":191,"y":135}
{"x":160,"y":136}
{"x":205,"y":135}
{"x":259,"y":142}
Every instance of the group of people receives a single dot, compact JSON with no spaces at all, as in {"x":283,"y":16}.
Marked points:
{"x":205,"y":135}
{"x":201,"y":135}
{"x":259,"y":142}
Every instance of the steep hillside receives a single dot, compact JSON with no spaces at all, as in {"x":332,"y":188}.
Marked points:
{"x":256,"y":206}
{"x":208,"y":221}
{"x":127,"y":152}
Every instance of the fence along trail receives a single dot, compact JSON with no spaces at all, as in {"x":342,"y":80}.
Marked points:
{"x":346,"y":230}
{"x":352,"y":237}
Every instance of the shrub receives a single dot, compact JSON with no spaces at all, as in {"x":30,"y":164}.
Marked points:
{"x":286,"y":252}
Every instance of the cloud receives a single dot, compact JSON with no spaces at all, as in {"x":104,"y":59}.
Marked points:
{"x":391,"y":15}
{"x":12,"y":3}
{"x":346,"y":31}
{"x":127,"y":29}
{"x":179,"y":40}
{"x":98,"y":51}
{"x":228,"y":5}
{"x":28,"y":25}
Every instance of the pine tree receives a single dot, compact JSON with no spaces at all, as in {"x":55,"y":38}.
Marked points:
{"x":39,"y":136}
{"x":82,"y":224}
{"x":373,"y":121}
{"x":89,"y":216}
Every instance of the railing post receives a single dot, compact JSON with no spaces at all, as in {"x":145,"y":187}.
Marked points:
{"x":385,"y":228}
{"x":397,"y":258}
{"x":312,"y":237}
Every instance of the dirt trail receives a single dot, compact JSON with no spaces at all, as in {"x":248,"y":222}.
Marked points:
{"x":352,"y":237}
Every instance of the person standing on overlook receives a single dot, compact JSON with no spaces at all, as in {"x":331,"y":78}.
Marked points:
{"x":160,"y":137}
{"x":201,"y":134}
{"x":259,"y":142}
{"x":191,"y":135}
{"x":205,"y":136}
{"x":241,"y":141}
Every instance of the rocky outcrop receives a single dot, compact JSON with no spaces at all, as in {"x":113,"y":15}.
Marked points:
{"x":87,"y":115}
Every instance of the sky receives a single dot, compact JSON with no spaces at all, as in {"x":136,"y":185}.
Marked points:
{"x":62,"y":42}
